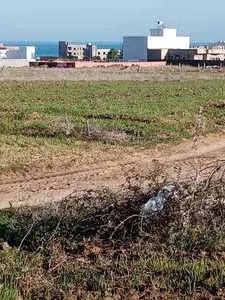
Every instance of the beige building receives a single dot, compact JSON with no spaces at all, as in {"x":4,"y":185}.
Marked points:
{"x":76,"y":51}
{"x":82,"y":51}
{"x":102,"y":54}
{"x":213,"y":52}
{"x":67,"y":50}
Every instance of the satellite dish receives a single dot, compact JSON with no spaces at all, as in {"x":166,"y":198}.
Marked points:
{"x":160,"y":23}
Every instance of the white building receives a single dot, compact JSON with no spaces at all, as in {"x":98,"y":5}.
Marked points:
{"x":102,"y":54}
{"x":3,"y":52}
{"x":167,"y":38}
{"x":21,"y":52}
{"x":16,"y":56}
{"x":138,"y":48}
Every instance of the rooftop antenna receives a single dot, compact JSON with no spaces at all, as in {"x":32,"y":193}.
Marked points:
{"x":160,"y":24}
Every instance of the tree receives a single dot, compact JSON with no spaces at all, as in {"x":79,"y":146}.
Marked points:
{"x":113,"y":54}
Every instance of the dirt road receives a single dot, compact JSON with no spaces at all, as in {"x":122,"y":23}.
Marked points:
{"x":180,"y":162}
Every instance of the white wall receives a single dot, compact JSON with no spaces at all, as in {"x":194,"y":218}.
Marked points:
{"x":103,"y":53}
{"x":172,"y":32}
{"x":166,"y":38}
{"x":168,"y":42}
{"x":14,"y":63}
{"x":3,"y":53}
{"x":23,"y":52}
{"x":135,"y":48}
{"x":30,"y":53}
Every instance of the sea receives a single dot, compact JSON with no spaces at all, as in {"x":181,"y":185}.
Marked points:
{"x":50,"y":48}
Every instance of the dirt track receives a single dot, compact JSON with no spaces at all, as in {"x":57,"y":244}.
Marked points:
{"x":39,"y":187}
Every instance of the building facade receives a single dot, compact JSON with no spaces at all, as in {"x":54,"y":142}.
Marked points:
{"x":155,"y":46}
{"x":213,"y":52}
{"x":90,"y":51}
{"x":167,"y":38}
{"x":135,"y":48}
{"x":102,"y":54}
{"x":17,"y":52}
{"x":3,"y":52}
{"x":82,"y":51}
{"x":67,"y":50}
{"x":21,"y":52}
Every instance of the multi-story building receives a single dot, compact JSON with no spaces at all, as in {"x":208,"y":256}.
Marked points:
{"x":82,"y":51}
{"x":67,"y":50}
{"x":90,"y":52}
{"x":155,"y":46}
{"x":102,"y":54}
{"x":77,"y":51}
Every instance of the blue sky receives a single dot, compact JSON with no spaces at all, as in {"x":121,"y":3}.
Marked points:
{"x":83,"y":20}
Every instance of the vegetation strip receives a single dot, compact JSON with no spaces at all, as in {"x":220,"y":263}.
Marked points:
{"x":99,"y":245}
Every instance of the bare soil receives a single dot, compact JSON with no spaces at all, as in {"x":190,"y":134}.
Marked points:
{"x":112,"y":73}
{"x":99,"y":170}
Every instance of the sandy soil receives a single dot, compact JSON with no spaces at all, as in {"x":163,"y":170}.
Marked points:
{"x":112,"y":73}
{"x":181,"y":162}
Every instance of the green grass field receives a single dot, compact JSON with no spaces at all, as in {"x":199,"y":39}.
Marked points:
{"x":43,"y":119}
{"x":147,"y":112}
{"x":88,"y":248}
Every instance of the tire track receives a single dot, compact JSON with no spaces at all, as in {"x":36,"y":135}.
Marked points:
{"x":111,"y":173}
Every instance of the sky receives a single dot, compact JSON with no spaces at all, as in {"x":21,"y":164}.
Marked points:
{"x":102,"y":20}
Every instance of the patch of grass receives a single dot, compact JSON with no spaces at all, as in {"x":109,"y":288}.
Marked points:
{"x":8,"y":293}
{"x":168,"y":107}
{"x":58,"y":113}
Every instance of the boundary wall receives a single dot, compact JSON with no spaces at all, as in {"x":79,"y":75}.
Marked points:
{"x":14,"y":63}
